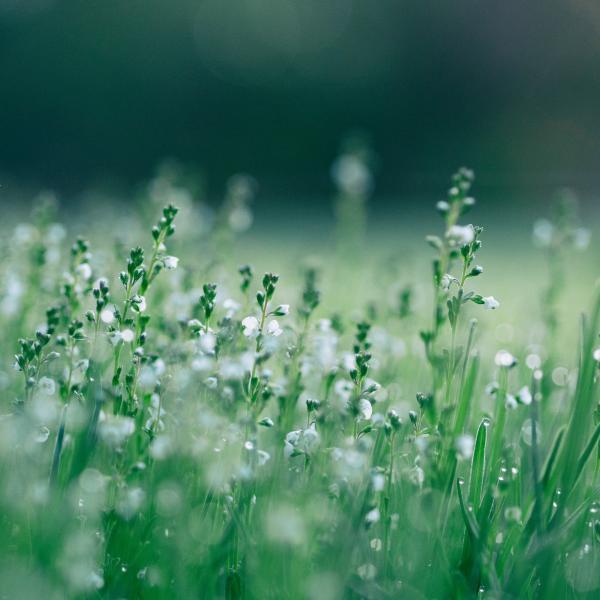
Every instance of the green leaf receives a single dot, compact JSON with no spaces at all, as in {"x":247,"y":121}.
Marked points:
{"x":478,"y":465}
{"x":586,"y":453}
{"x":467,"y":514}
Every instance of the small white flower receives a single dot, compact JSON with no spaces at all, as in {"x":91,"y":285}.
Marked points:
{"x":376,"y":544}
{"x":367,"y":572}
{"x":291,"y":439}
{"x":524,"y":396}
{"x":371,"y":386}
{"x":461,"y":235}
{"x":194,"y":325}
{"x":324,"y":325}
{"x":127,"y":336}
{"x":84,"y":271}
{"x":147,"y":378}
{"x":273,"y":328}
{"x":230,"y":306}
{"x":505,"y":359}
{"x":365,"y":409}
{"x":378,"y":482}
{"x":464,"y":446}
{"x":170,"y":262}
{"x":47,"y":385}
{"x":211,"y":383}
{"x":309,"y":439}
{"x":343,"y":389}
{"x":107,"y":316}
{"x":491,"y":388}
{"x":161,"y":447}
{"x":372,"y":516}
{"x":282,"y":310}
{"x":114,"y":429}
{"x":115,"y":337}
{"x":301,"y":440}
{"x":490,"y":303}
{"x":349,"y":361}
{"x":447,"y":281}
{"x":138,"y":303}
{"x":208,"y":342}
{"x":596,"y":355}
{"x":511,"y":402}
{"x":250,"y":325}
{"x":159,"y":366}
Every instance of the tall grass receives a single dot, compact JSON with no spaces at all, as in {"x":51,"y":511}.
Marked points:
{"x":179,"y":426}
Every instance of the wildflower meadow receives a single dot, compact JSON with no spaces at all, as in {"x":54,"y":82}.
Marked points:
{"x":189,"y":412}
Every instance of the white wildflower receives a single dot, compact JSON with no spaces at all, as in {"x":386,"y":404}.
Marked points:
{"x":376,"y":544}
{"x":107,"y":315}
{"x":365,"y":409}
{"x":84,"y":271}
{"x":367,"y":571}
{"x":378,"y":482}
{"x":505,"y":359}
{"x":47,"y":385}
{"x":464,"y":446}
{"x":461,"y":235}
{"x":115,"y":429}
{"x":511,"y":402}
{"x":127,"y":336}
{"x":372,"y":516}
{"x":138,"y":303}
{"x":170,"y":262}
{"x":208,"y":342}
{"x":490,"y":303}
{"x":282,"y":310}
{"x":230,"y":306}
{"x":524,"y":396}
{"x":250,"y":325}
{"x":273,"y":328}
{"x":447,"y":281}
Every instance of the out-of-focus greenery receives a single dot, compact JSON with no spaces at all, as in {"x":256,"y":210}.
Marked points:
{"x":162,"y":437}
{"x":98,"y":92}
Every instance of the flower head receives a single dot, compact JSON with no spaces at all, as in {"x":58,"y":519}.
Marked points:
{"x":250,"y":326}
{"x":170,"y":262}
{"x":127,"y":336}
{"x":273,"y":328}
{"x":490,"y":303}
{"x":461,"y":235}
{"x":505,"y":359}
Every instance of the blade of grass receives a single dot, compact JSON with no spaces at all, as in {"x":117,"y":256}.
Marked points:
{"x":478,"y":465}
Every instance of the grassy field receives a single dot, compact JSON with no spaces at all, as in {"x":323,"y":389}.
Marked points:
{"x":354,"y":411}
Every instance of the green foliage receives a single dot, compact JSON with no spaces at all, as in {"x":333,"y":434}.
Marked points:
{"x":160,"y":438}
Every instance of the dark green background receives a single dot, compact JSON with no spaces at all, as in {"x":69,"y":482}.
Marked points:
{"x":97,"y":93}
